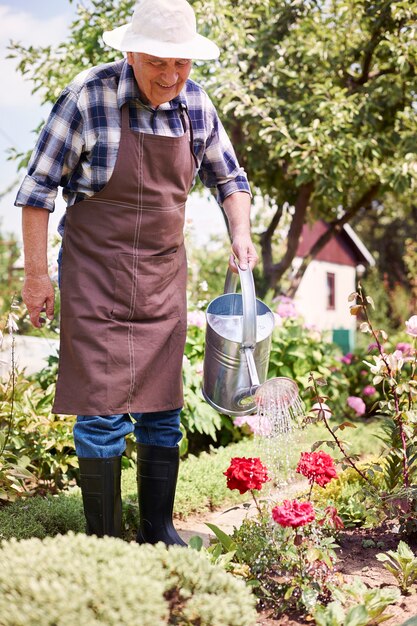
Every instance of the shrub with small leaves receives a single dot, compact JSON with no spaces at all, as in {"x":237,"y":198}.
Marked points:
{"x":75,"y":579}
{"x":42,"y":516}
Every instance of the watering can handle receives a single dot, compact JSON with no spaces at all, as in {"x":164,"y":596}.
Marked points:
{"x":249,"y":303}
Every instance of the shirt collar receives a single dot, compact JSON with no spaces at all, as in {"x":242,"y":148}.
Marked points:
{"x":128,"y":90}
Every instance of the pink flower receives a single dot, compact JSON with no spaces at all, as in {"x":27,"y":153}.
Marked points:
{"x":411,"y":326}
{"x":347,"y":358}
{"x":405,"y":348}
{"x":245,"y":474}
{"x":318,"y":467}
{"x":293,"y":513}
{"x":372,"y":346}
{"x":196,"y":318}
{"x":369,"y":390}
{"x":357,"y":404}
{"x":259,"y":425}
{"x":286,"y":307}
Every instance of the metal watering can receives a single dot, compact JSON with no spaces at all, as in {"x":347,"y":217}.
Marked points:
{"x":238,"y":345}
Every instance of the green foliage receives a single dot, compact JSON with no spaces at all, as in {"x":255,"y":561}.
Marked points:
{"x":197,"y":415}
{"x":392,"y":282}
{"x":402,"y":564}
{"x":315,"y":89}
{"x":352,"y":497}
{"x":296,"y":351}
{"x":41,"y":440}
{"x":85,"y":580}
{"x":312,"y":94}
{"x":15,"y":479}
{"x":356,"y":605}
{"x":42,"y":516}
{"x":393,"y":463}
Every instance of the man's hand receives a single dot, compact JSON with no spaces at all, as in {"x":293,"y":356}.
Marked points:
{"x":244,"y":253}
{"x":39,"y":297}
{"x":237,"y":208}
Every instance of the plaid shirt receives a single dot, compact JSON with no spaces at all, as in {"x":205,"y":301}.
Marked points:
{"x":77,"y":148}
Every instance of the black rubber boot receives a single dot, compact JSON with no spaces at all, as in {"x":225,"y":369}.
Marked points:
{"x":100,"y":487}
{"x":157,"y":480}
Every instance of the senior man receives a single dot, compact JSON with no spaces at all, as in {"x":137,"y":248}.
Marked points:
{"x":125,"y":141}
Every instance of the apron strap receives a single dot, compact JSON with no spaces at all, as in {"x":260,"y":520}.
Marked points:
{"x":125,"y":117}
{"x":183,"y":107}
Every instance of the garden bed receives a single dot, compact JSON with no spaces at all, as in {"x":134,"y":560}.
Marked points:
{"x":357,"y":560}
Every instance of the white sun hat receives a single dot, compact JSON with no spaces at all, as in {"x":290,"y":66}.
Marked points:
{"x":162,"y":28}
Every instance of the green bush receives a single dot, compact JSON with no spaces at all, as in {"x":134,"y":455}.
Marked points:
{"x":352,"y":496}
{"x":40,"y":517}
{"x":35,"y":434}
{"x":297,"y":350}
{"x":75,"y":579}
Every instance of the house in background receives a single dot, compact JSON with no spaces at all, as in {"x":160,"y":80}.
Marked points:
{"x":322,"y":297}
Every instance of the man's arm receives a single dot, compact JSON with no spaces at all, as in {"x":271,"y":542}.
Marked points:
{"x":38,"y":292}
{"x":237,"y":208}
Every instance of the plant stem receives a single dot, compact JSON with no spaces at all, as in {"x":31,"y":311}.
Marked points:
{"x":256,"y":502}
{"x":12,"y":381}
{"x":397,"y":416}
{"x":335,"y":437}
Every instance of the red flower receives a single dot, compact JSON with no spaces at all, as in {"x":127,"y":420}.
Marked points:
{"x":293,"y":513}
{"x":318,"y":467}
{"x":332,"y":518}
{"x":246,"y":474}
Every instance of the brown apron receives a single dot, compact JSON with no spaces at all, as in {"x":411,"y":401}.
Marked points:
{"x":123,"y":289}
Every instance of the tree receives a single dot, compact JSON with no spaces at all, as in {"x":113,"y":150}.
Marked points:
{"x":323,"y":98}
{"x":318,"y":97}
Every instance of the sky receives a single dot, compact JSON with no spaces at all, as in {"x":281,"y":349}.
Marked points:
{"x":47,"y":22}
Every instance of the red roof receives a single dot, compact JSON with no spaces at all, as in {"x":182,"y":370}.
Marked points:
{"x":344,"y":248}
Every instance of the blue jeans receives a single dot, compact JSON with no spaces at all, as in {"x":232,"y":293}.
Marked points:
{"x":103,"y":436}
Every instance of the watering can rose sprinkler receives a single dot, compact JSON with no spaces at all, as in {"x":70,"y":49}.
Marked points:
{"x":238,"y":345}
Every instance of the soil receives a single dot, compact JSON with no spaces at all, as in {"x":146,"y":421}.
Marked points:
{"x":355,"y":560}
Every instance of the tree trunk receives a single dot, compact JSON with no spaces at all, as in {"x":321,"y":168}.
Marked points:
{"x":273,"y":272}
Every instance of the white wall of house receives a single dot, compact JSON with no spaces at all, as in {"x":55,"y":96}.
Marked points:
{"x":312,"y":296}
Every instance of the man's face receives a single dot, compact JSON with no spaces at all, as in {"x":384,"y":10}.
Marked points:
{"x":159,"y":79}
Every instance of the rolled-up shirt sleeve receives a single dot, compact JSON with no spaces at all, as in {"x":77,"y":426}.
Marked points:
{"x":55,"y":156}
{"x":219,"y":166}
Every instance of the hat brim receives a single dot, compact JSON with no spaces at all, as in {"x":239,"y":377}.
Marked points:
{"x":124,"y":39}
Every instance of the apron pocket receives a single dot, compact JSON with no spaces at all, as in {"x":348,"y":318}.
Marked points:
{"x":146,"y":287}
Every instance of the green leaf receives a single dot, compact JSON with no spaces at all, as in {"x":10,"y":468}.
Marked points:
{"x":226,"y":541}
{"x":196,"y":543}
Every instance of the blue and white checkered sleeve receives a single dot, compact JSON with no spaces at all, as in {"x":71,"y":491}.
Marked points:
{"x":55,"y":156}
{"x":219,"y":166}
